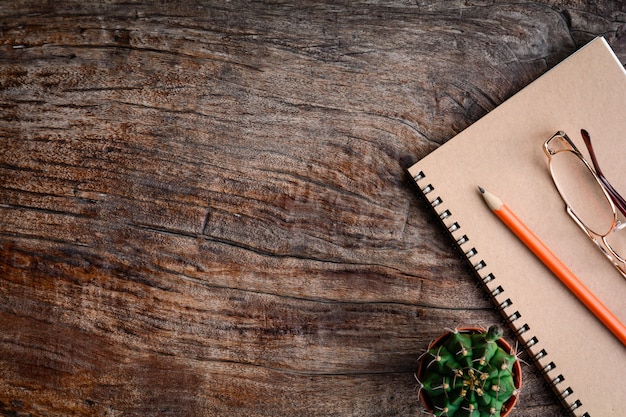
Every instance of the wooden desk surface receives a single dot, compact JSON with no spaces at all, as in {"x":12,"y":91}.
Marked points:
{"x":204,"y":209}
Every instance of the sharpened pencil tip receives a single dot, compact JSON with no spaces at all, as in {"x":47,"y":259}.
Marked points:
{"x":492,"y":201}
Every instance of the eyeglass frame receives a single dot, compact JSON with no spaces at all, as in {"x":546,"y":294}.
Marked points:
{"x":607,"y":190}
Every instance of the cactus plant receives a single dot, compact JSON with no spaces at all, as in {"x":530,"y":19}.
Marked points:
{"x":470,"y":373}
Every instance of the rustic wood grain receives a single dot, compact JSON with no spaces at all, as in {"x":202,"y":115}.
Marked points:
{"x":204,"y":206}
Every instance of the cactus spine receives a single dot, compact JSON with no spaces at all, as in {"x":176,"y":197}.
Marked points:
{"x":469,"y":375}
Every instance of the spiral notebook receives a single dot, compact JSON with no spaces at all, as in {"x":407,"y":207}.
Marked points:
{"x":583,"y":362}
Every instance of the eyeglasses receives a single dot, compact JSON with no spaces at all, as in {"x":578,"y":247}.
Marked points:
{"x":589,"y":198}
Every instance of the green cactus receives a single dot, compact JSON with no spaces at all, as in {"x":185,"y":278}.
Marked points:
{"x":468,"y":375}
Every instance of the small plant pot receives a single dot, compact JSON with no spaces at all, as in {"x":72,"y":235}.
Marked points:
{"x":516,"y":371}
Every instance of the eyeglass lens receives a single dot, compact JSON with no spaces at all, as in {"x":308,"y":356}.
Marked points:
{"x":617,"y":242}
{"x":582,"y":192}
{"x":585,"y":197}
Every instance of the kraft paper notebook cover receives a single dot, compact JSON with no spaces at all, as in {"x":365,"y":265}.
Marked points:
{"x":502,"y":152}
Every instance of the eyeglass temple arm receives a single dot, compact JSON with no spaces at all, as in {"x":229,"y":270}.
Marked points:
{"x":615,"y":196}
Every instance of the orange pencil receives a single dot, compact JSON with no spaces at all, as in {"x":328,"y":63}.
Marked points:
{"x":557,"y":267}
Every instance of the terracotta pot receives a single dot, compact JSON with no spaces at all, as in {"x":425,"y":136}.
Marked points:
{"x":517,"y":369}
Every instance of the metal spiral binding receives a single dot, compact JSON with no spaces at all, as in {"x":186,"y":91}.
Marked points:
{"x":549,"y":367}
{"x":496,"y":294}
{"x":522,"y":329}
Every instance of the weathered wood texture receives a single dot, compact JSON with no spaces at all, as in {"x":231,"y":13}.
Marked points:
{"x":204,"y":206}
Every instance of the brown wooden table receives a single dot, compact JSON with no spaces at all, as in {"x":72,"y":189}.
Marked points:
{"x":204,"y":205}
